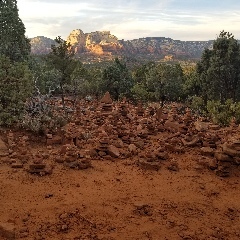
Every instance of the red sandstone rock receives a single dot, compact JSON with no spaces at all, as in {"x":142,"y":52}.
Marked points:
{"x":227,"y":149}
{"x":172,"y":126}
{"x":207,"y":151}
{"x":222,"y":157}
{"x":3,"y":146}
{"x":132,"y":148}
{"x":54,"y":140}
{"x":145,"y":165}
{"x":192,"y":143}
{"x":106,"y":98}
{"x":201,"y":126}
{"x":113,"y":151}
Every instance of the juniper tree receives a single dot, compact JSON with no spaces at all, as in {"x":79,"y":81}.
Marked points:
{"x":219,"y":71}
{"x":15,"y":89}
{"x":117,"y":79}
{"x":13,"y":42}
{"x":62,"y":59}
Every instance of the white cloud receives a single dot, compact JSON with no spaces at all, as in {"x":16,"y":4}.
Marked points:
{"x":128,"y":19}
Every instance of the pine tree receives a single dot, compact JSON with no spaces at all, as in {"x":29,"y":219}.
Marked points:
{"x":13,"y":42}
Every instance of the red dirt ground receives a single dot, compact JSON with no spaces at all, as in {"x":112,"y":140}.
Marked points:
{"x":118,"y":200}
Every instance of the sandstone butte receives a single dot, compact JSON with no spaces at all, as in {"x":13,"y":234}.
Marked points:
{"x":122,"y":171}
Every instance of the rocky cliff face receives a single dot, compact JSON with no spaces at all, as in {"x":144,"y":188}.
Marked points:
{"x":103,"y":43}
{"x":98,"y":43}
{"x":41,"y":45}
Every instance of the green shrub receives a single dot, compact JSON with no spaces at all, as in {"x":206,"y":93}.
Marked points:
{"x":197,"y":105}
{"x":140,"y":92}
{"x":223,"y":113}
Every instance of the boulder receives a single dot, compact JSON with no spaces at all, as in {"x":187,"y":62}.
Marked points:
{"x":172,"y":126}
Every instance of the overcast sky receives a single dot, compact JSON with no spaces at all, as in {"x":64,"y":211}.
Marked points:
{"x":131,"y":19}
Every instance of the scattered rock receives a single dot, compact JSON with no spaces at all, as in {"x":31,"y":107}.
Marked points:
{"x":132,"y":148}
{"x":162,"y":155}
{"x":17,"y":165}
{"x":49,"y":195}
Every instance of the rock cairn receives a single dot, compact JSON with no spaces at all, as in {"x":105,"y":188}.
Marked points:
{"x":106,"y":103}
{"x":108,"y":130}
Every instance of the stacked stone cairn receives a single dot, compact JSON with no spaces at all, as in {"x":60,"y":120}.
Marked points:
{"x":173,"y":114}
{"x":38,"y":165}
{"x":104,"y":142}
{"x":187,"y":118}
{"x":140,"y":110}
{"x":70,"y":156}
{"x":123,"y":109}
{"x":228,"y":156}
{"x":106,"y":104}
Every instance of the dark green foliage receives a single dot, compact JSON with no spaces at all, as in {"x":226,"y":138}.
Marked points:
{"x":140,"y":89}
{"x":155,"y":82}
{"x":191,"y":86}
{"x":165,"y":80}
{"x":79,"y":80}
{"x":117,"y":79}
{"x":13,"y":42}
{"x":46,"y":79}
{"x":219,"y":71}
{"x":15,"y":88}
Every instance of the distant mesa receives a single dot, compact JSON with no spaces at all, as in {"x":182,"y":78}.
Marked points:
{"x":103,"y":43}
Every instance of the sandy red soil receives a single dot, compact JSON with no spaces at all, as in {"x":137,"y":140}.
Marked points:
{"x":118,"y":200}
